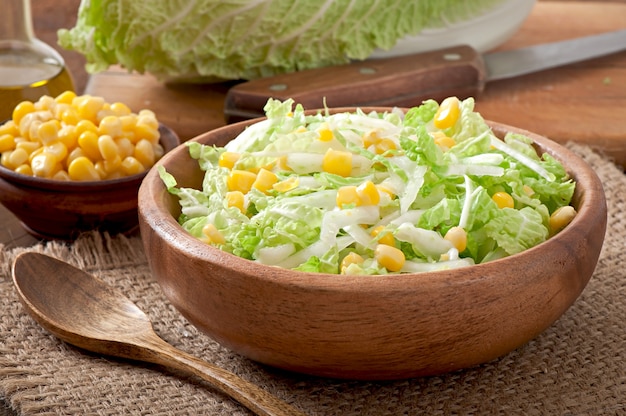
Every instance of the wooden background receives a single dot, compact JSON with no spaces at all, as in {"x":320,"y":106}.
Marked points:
{"x":50,"y":15}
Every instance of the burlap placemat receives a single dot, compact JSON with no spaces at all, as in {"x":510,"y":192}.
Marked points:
{"x":576,"y":367}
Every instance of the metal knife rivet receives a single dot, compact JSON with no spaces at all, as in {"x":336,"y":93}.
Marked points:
{"x":367,"y":71}
{"x":451,"y":56}
{"x":278,"y":87}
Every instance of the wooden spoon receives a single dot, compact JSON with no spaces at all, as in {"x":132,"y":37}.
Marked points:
{"x":84,"y":311}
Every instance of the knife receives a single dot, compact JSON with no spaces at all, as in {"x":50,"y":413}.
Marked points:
{"x":408,"y":80}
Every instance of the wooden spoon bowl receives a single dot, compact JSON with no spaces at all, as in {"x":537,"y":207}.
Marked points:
{"x":373,"y":327}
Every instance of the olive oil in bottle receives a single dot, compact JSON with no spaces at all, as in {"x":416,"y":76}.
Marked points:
{"x":23,"y":78}
{"x":29,"y":68}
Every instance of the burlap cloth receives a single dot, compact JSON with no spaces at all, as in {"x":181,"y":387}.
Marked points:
{"x":576,"y":367}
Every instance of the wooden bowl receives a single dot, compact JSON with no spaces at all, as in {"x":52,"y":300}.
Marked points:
{"x":51,"y":209}
{"x":374,"y":327}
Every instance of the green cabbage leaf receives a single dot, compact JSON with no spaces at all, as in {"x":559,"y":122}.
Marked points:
{"x":245,"y":39}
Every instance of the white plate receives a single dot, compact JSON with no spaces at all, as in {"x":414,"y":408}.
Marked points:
{"x":483,"y":33}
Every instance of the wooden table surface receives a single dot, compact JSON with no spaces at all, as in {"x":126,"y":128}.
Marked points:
{"x":585,"y":102}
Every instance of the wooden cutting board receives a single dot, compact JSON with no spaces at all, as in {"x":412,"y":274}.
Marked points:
{"x":584,"y":102}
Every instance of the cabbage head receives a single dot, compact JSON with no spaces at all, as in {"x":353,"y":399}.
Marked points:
{"x":245,"y":39}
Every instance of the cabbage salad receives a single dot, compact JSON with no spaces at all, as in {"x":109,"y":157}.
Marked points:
{"x":375,"y":193}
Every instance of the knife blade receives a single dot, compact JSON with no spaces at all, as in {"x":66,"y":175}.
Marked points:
{"x":407,"y":80}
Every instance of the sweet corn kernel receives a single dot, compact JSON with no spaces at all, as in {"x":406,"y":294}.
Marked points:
{"x":281,"y":164}
{"x":89,"y":106}
{"x":107,"y":147}
{"x":288,"y":184}
{"x":74,"y":153}
{"x":33,"y":130}
{"x":56,"y":149}
{"x":4,"y":159}
{"x":16,"y":157}
{"x":370,"y":139}
{"x":104,"y":113}
{"x":102,"y":172}
{"x":27,"y":145}
{"x":88,"y":141}
{"x":389,"y":257}
{"x":213,"y":235}
{"x":9,"y":127}
{"x":228,"y":159}
{"x":347,"y":196}
{"x":7,"y":142}
{"x":444,"y":142}
{"x":128,"y":122}
{"x":45,"y":165}
{"x":236,"y":199}
{"x":61,"y":175}
{"x":265,"y":180}
{"x":368,"y":194}
{"x":69,"y":116}
{"x":384,"y":145}
{"x":48,"y":131}
{"x":325,"y":134}
{"x":130,"y":135}
{"x":240,"y":180}
{"x":110,"y":125}
{"x":120,"y":109}
{"x":115,"y":175}
{"x":20,"y":110}
{"x":33,"y":153}
{"x":26,"y":122}
{"x":503,"y":200}
{"x":131,"y":166}
{"x":45,"y":102}
{"x":383,"y":235}
{"x":82,"y":169}
{"x":85,"y":125}
{"x":148,"y":118}
{"x":125,"y":147}
{"x":447,"y":114}
{"x":458,"y":237}
{"x":113,"y":165}
{"x":59,"y":109}
{"x":145,"y":131}
{"x":561,"y":217}
{"x":65,"y":97}
{"x":24,"y":169}
{"x":67,"y":135}
{"x":350,"y":259}
{"x":144,"y":152}
{"x":337,"y":162}
{"x":146,"y":113}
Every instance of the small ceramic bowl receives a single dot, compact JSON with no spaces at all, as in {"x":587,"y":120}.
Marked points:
{"x":51,"y":209}
{"x":374,"y":327}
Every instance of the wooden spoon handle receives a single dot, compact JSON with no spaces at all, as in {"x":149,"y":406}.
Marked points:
{"x":249,"y":395}
{"x":402,"y":81}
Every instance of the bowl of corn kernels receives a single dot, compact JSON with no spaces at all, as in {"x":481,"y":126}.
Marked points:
{"x":74,"y":163}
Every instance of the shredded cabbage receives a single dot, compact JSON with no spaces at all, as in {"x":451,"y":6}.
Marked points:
{"x":423,"y":190}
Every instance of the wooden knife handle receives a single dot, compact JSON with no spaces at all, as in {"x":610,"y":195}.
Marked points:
{"x":402,"y":81}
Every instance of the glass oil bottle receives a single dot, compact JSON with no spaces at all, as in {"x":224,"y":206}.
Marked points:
{"x":29,"y":68}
